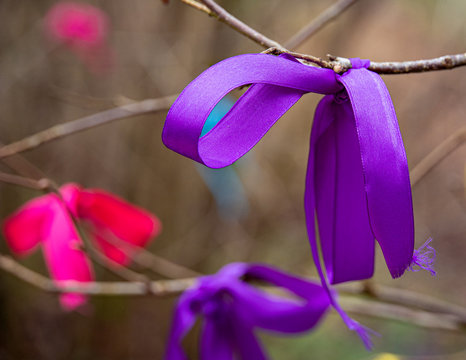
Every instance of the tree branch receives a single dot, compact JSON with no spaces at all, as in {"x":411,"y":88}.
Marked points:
{"x":341,"y":64}
{"x":120,"y":288}
{"x":404,"y":314}
{"x":42,"y":184}
{"x":224,"y":16}
{"x":149,"y":260}
{"x":403,"y":297}
{"x":338,"y":64}
{"x":198,"y":6}
{"x":318,"y":23}
{"x":438,"y":154}
{"x":446,"y":62}
{"x":453,"y":320}
{"x":88,"y":122}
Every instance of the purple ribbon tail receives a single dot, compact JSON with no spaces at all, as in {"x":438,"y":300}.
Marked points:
{"x":424,"y":258}
{"x":385,"y":167}
{"x":321,"y":121}
{"x":216,"y":340}
{"x":183,"y":321}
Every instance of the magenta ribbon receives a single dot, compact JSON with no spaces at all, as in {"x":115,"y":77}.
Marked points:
{"x":357,"y":178}
{"x":233,"y":309}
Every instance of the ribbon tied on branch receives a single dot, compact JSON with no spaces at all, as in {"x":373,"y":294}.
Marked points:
{"x":357,"y":178}
{"x":47,"y":221}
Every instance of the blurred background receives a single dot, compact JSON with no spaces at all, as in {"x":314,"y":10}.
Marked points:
{"x":155,"y":50}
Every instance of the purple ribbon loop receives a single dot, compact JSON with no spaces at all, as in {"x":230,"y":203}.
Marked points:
{"x":357,"y":179}
{"x":232,"y":310}
{"x":278,"y":84}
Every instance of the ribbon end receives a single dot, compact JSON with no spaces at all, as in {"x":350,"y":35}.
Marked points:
{"x":424,"y":259}
{"x":365,"y":334}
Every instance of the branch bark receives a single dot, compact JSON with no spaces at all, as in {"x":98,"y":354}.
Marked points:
{"x":452,"y":320}
{"x":438,"y":154}
{"x":404,"y":314}
{"x":403,"y":297}
{"x":88,"y":122}
{"x":318,"y":23}
{"x":341,"y":64}
{"x":42,"y":184}
{"x":338,"y":64}
{"x":224,"y":16}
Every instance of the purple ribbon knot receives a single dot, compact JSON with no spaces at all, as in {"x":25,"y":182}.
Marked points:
{"x":232,"y":310}
{"x":357,"y":178}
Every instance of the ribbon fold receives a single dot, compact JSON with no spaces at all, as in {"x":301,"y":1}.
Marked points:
{"x":232,"y":310}
{"x":357,"y":180}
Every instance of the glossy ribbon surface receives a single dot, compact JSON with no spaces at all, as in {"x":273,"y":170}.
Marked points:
{"x":357,"y":180}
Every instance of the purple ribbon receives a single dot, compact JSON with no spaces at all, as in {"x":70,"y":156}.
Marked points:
{"x":357,"y":179}
{"x":232,"y":310}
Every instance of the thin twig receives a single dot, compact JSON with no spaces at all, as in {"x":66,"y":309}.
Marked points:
{"x":341,"y":64}
{"x":198,"y":6}
{"x":403,"y":297}
{"x":438,"y":154}
{"x":149,"y":260}
{"x":88,"y":122}
{"x":446,"y":62}
{"x":318,"y":23}
{"x":120,"y":288}
{"x":107,"y":263}
{"x":404,"y":314}
{"x":224,"y":16}
{"x":307,"y":58}
{"x":42,"y":184}
{"x":23,"y":167}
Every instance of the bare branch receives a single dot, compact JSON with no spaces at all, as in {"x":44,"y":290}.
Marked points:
{"x":404,"y":314}
{"x":42,"y":184}
{"x":341,"y":64}
{"x":88,"y":122}
{"x":404,"y":67}
{"x":403,"y":297}
{"x":445,"y":62}
{"x":162,"y":266}
{"x":307,"y":58}
{"x":121,"y":288}
{"x":198,"y":6}
{"x":224,"y":16}
{"x":23,"y":167}
{"x":164,"y":288}
{"x":121,"y":271}
{"x":318,"y":23}
{"x":23,"y":273}
{"x":438,"y":154}
{"x":151,"y":261}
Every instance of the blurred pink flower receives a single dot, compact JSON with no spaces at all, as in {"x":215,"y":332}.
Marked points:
{"x":46,"y":221}
{"x":83,"y":29}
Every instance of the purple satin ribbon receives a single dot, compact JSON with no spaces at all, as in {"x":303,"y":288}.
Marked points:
{"x":357,"y":179}
{"x":232,"y":310}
